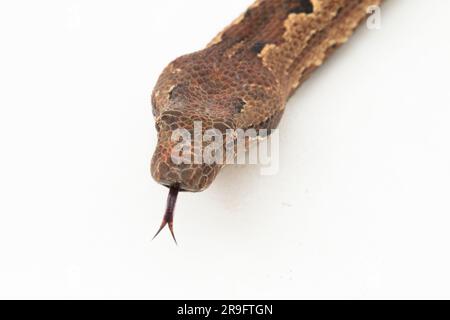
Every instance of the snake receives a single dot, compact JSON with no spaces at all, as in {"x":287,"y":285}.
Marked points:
{"x":243,"y":79}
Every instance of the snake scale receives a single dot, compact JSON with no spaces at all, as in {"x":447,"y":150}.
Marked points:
{"x":244,"y":78}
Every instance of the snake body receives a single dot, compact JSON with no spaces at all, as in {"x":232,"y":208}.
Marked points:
{"x":245,"y":76}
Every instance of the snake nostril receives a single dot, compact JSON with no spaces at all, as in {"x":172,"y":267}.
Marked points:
{"x":238,"y":105}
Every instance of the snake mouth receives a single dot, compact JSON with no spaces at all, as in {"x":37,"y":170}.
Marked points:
{"x":174,"y":186}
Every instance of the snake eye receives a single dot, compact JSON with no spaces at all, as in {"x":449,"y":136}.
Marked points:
{"x":178,"y":90}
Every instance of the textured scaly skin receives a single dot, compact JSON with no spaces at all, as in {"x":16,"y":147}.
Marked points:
{"x":245,"y":76}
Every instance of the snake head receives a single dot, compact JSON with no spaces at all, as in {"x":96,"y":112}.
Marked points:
{"x":178,"y":160}
{"x":190,"y":151}
{"x":188,"y":102}
{"x":220,"y":94}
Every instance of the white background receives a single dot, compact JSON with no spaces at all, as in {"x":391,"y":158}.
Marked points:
{"x":359,"y":209}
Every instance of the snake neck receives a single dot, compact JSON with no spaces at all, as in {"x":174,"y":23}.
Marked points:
{"x":290,"y":38}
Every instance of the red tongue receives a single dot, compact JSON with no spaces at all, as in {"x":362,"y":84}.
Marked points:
{"x":168,"y":216}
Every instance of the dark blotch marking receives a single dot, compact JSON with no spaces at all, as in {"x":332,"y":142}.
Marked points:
{"x":258,"y":46}
{"x":302,"y":6}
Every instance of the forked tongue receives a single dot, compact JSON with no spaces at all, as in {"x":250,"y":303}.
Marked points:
{"x":168,"y":216}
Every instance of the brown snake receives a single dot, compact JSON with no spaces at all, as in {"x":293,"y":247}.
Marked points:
{"x":244,"y":78}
